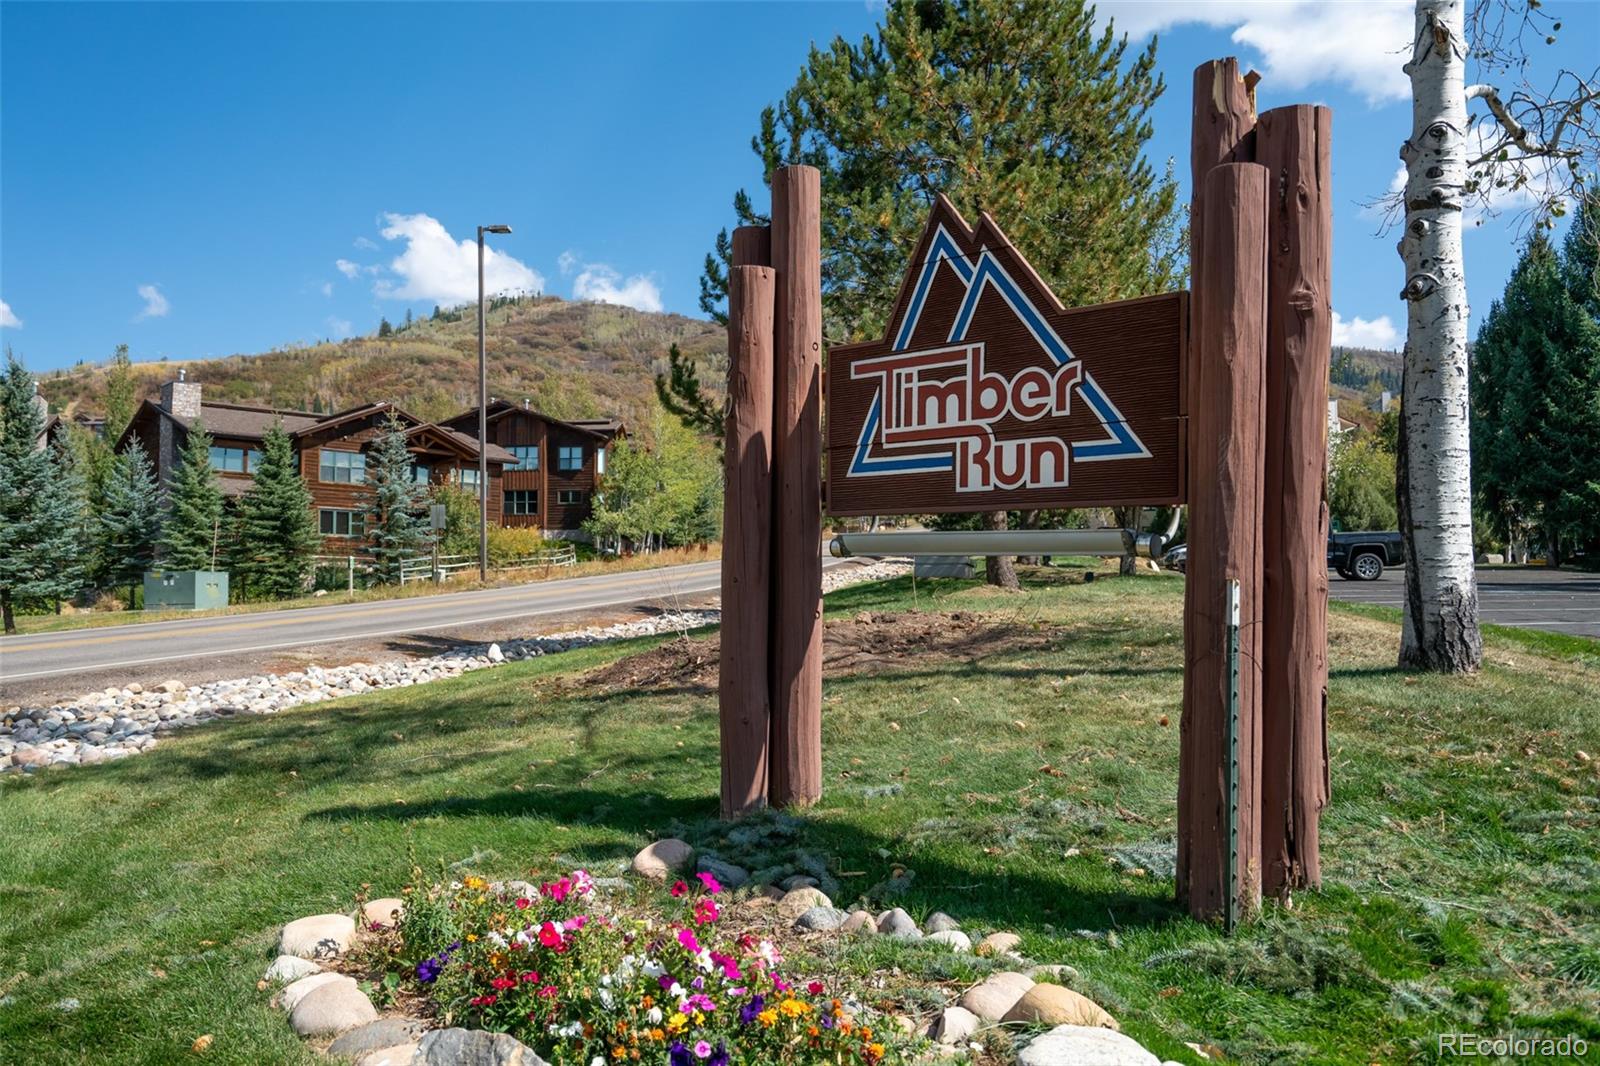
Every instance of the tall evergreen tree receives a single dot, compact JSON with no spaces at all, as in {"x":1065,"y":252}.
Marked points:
{"x":41,"y":529}
{"x":192,"y":535}
{"x":275,"y":533}
{"x":1536,"y":402}
{"x":120,"y":398}
{"x":1022,"y":110}
{"x":393,"y":501}
{"x":129,"y":522}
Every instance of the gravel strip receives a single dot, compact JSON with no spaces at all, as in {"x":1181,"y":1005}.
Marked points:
{"x":118,"y":722}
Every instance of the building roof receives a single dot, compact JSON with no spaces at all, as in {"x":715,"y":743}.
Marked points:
{"x":604,"y":428}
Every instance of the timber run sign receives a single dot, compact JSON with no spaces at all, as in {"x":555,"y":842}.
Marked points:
{"x":986,"y":394}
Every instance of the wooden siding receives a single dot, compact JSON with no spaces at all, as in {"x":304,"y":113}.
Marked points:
{"x":525,"y":428}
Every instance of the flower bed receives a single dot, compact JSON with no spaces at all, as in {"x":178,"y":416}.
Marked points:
{"x":581,"y":986}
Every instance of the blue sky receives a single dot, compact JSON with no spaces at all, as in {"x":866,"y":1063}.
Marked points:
{"x":198,"y":180}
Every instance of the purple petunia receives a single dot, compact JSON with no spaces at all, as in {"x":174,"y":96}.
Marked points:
{"x":748,"y":1012}
{"x":679,"y":1055}
{"x":719,"y":1057}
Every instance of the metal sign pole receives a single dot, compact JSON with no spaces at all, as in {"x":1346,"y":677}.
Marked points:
{"x":1231,"y":905}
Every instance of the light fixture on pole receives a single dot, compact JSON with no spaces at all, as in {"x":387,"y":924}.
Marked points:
{"x":483,"y":417}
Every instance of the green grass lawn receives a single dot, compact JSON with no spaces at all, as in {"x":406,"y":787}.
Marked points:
{"x":1461,"y":850}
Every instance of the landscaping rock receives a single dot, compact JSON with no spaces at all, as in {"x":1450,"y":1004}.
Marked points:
{"x":797,"y":901}
{"x":320,"y":936}
{"x":384,"y":913}
{"x":993,"y":999}
{"x":514,"y":889}
{"x":955,"y":1025}
{"x":399,"y":1055}
{"x":821,"y":919}
{"x":473,"y":1047}
{"x":298,"y":990}
{"x":898,"y":923}
{"x":794,"y":881}
{"x":1084,"y":1045}
{"x":383,"y":1033}
{"x":940,"y":922}
{"x":954,"y":939}
{"x":729,"y":875}
{"x":290,"y":968}
{"x":1055,"y":1005}
{"x":665,"y":857}
{"x":997,"y":944}
{"x":859,"y":922}
{"x":331,"y":1008}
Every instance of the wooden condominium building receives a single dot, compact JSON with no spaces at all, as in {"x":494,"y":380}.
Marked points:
{"x":332,"y":454}
{"x":557,"y":464}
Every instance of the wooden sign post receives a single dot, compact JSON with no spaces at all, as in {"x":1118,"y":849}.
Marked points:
{"x":986,"y":394}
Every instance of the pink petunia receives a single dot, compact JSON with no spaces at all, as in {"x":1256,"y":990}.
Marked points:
{"x":690,"y":944}
{"x":523,"y":903}
{"x":706,"y":911}
{"x":549,"y":935}
{"x":702,"y":1050}
{"x":815,"y":988}
{"x":679,"y":889}
{"x":713,"y":886}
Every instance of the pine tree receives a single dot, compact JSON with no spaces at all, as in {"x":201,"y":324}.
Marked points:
{"x":41,"y":505}
{"x":193,"y":531}
{"x":384,"y":329}
{"x":393,"y":500}
{"x":275,"y":535}
{"x":129,"y":522}
{"x":679,"y":392}
{"x":1536,"y":402}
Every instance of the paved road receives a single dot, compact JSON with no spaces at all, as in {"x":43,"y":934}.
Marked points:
{"x":85,"y":651}
{"x":1563,"y":601}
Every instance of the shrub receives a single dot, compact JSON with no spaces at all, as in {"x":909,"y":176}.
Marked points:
{"x":507,"y":544}
{"x":579,"y":985}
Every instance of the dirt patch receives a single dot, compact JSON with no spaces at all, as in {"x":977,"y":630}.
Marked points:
{"x":865,"y":644}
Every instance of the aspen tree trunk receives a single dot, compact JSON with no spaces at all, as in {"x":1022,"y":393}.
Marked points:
{"x":999,"y":569}
{"x":1433,"y":484}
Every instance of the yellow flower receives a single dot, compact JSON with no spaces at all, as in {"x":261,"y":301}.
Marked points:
{"x":475,"y":882}
{"x":678,"y":1023}
{"x":767,"y":1017}
{"x":619,"y":1052}
{"x":793,"y":1008}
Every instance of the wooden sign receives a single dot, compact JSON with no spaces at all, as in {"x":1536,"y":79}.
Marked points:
{"x":986,"y":394}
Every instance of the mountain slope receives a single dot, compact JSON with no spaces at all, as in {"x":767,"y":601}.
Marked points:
{"x":572,"y":360}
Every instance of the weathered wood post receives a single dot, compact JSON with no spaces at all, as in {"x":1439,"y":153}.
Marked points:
{"x":1293,"y":144}
{"x":1225,"y":380}
{"x":744,"y":688}
{"x":795,"y":774}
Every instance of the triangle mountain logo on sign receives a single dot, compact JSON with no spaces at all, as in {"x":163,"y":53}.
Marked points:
{"x":986,"y":394}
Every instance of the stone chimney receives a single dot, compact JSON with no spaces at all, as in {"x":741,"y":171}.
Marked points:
{"x":182,"y":397}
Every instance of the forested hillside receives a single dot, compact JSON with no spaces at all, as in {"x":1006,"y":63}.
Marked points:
{"x":572,"y":360}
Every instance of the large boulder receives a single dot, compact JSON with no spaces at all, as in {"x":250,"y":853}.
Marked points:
{"x":898,"y":923}
{"x":797,"y":901}
{"x":954,"y":939}
{"x":331,"y":1009}
{"x":320,"y":936}
{"x":1085,"y":1046}
{"x":1055,"y":1005}
{"x":383,"y":1033}
{"x":473,"y":1047}
{"x":999,"y":944}
{"x":294,"y":992}
{"x":384,"y":913}
{"x":955,"y":1025}
{"x":660,"y":860}
{"x":993,"y":999}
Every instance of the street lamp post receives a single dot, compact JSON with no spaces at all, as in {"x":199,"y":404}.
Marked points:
{"x":483,"y":417}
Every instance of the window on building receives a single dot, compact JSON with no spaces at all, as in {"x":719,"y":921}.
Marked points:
{"x":467,"y":479}
{"x":599,"y":462}
{"x":342,"y":466}
{"x":419,"y":474}
{"x":569,"y":459}
{"x":569,"y":497}
{"x":521,"y":502}
{"x":335,"y":523}
{"x":527,"y":456}
{"x":230,"y":460}
{"x":252,"y":458}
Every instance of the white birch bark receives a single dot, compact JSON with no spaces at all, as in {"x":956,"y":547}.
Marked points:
{"x":1441,"y":614}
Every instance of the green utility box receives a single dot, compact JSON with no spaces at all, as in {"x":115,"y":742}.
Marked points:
{"x":185,"y":590}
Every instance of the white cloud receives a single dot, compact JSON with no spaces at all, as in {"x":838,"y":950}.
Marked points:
{"x":366,"y":244}
{"x":567,"y":262}
{"x":1296,"y":42}
{"x":347,"y":268}
{"x":339,"y":327}
{"x":435,"y":266}
{"x":326,"y":288}
{"x":155,"y":303}
{"x":602,"y":284}
{"x":1359,"y":332}
{"x":8,"y":319}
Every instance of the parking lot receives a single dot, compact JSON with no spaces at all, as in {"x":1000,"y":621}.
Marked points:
{"x":1562,"y":601}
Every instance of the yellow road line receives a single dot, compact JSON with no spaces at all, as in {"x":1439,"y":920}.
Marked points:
{"x":600,"y":584}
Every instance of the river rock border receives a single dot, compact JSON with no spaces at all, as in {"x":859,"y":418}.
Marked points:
{"x":118,"y":722}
